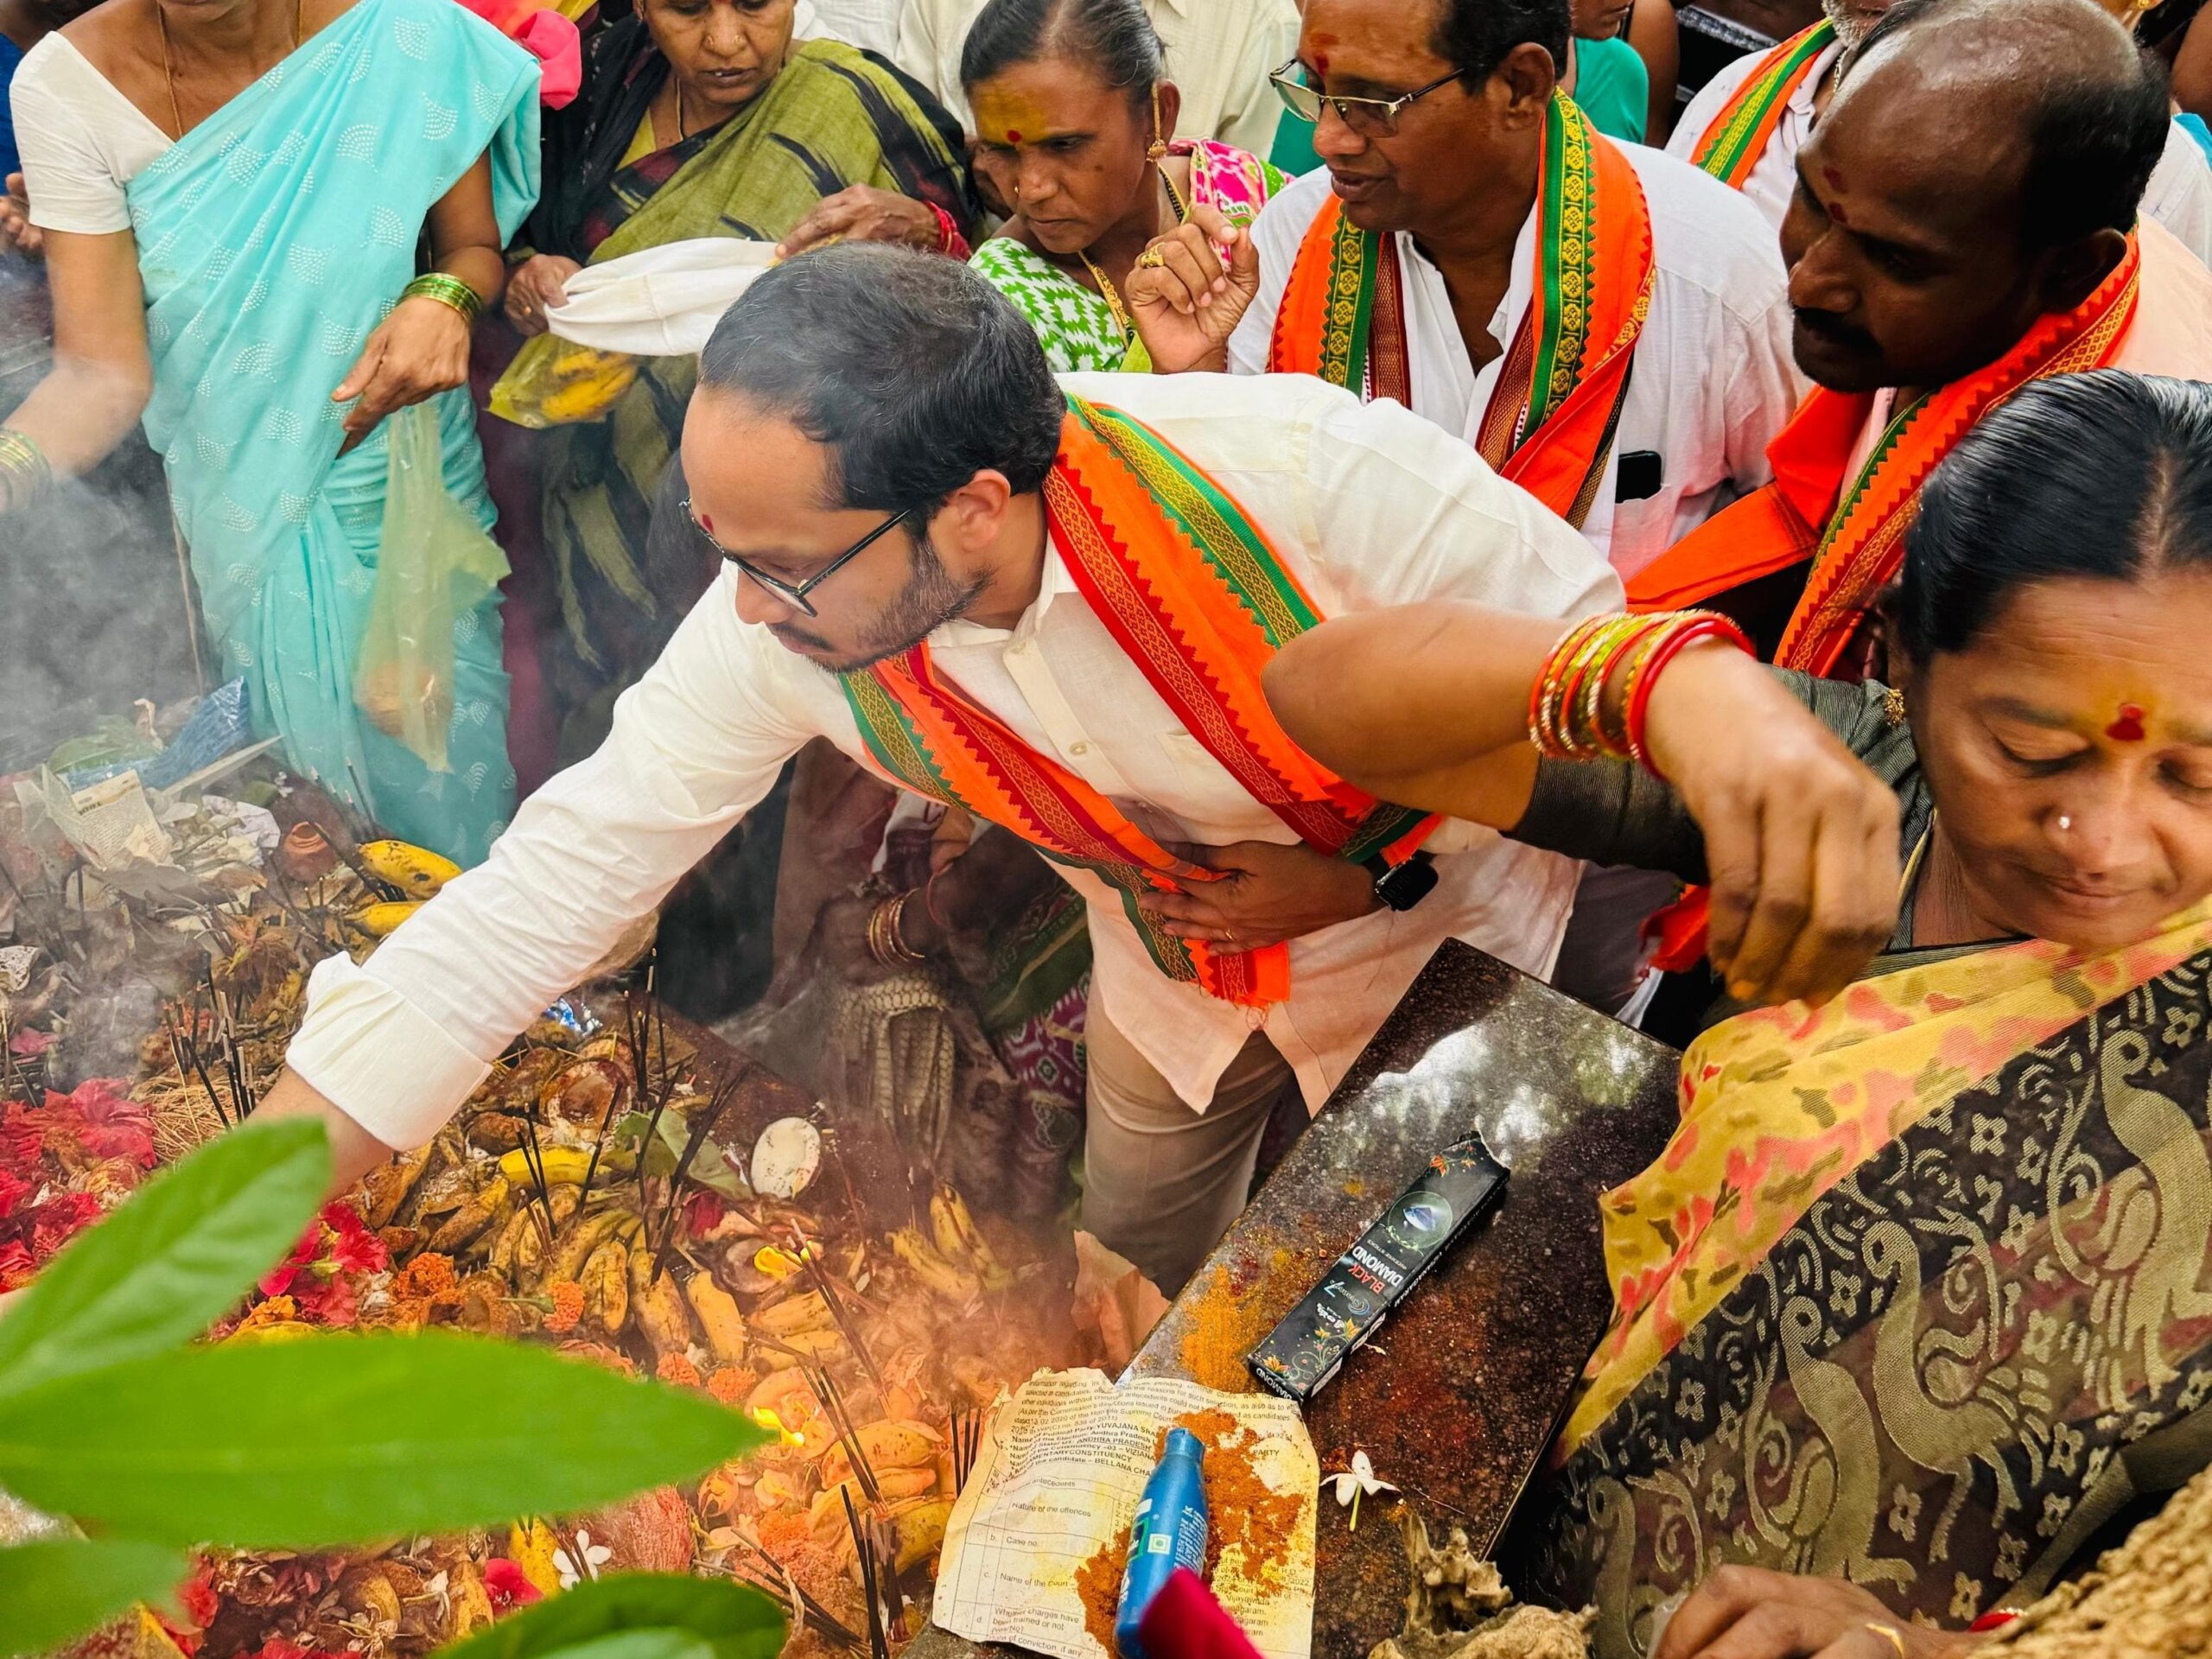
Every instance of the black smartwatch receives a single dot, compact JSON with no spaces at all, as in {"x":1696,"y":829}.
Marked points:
{"x":1401,"y":886}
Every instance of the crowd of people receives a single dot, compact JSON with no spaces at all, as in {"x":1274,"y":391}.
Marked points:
{"x":1200,"y":502}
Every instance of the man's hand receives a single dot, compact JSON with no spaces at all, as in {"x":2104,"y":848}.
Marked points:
{"x":354,"y":1151}
{"x":1801,"y":840}
{"x":1186,"y":305}
{"x":1746,"y":1613}
{"x":15,"y":227}
{"x":1267,"y":894}
{"x":861,"y":213}
{"x":420,"y":350}
{"x":536,"y":288}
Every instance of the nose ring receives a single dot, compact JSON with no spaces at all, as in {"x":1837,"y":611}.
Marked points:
{"x":2065,"y":823}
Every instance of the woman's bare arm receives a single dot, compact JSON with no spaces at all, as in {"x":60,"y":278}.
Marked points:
{"x":1427,"y":705}
{"x":1652,"y":31}
{"x":101,"y":376}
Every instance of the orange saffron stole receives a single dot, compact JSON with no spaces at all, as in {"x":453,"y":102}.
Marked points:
{"x":1731,"y":146}
{"x":1855,"y":535}
{"x":1190,"y":588}
{"x":1551,"y":417}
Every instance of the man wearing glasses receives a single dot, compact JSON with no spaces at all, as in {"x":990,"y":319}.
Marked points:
{"x":1049,"y":601}
{"x":1602,"y":325}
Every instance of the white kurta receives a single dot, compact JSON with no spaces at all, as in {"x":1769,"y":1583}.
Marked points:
{"x":1219,"y":55}
{"x":1712,"y":378}
{"x":1368,"y":506}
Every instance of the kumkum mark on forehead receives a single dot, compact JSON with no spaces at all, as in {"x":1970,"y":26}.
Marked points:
{"x":2128,"y":729}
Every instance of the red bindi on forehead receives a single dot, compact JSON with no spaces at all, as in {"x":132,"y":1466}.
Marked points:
{"x":706,"y":523}
{"x":2128,"y":727}
{"x":1014,"y":135}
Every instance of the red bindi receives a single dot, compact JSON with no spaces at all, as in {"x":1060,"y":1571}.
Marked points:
{"x":706,"y":523}
{"x":1835,"y":176}
{"x":1321,"y":63}
{"x":1012,"y":137}
{"x":2128,"y":729}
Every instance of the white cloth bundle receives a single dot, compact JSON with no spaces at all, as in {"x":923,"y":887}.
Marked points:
{"x":662,"y":301}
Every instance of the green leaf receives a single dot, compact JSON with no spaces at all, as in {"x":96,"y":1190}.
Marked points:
{"x":172,"y":1261}
{"x":638,"y":1645}
{"x":734,"y":1620}
{"x":64,"y":1588}
{"x":339,"y":1439}
{"x":708,"y":1167}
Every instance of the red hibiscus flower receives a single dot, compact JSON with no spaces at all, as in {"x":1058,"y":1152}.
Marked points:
{"x":16,"y":1266}
{"x":197,"y":1597}
{"x":507,"y":1586}
{"x":57,"y":1221}
{"x":353,"y":1247}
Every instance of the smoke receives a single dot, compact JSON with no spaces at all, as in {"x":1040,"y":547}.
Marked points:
{"x":92,"y":612}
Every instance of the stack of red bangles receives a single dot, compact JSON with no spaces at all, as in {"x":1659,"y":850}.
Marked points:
{"x":1569,"y":716}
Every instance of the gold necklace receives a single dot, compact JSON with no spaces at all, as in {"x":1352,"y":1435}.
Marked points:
{"x":1106,"y":290}
{"x":169,"y":60}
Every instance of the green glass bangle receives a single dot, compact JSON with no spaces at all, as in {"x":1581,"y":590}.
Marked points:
{"x":25,"y":471}
{"x":447,"y":290}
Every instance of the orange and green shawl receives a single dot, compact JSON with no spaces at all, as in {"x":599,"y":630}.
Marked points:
{"x":1731,"y":146}
{"x":1855,"y":536}
{"x":1189,"y":587}
{"x":1550,"y":421}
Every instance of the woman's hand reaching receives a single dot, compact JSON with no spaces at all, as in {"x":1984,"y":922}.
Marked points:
{"x":419,"y":351}
{"x":861,"y":213}
{"x":536,"y":288}
{"x":1801,"y":840}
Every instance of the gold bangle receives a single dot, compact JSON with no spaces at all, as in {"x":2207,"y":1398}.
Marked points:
{"x":23,"y":467}
{"x":446,"y":290}
{"x":884,"y":942}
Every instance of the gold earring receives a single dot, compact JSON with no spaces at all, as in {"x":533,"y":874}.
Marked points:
{"x":1159,"y":136}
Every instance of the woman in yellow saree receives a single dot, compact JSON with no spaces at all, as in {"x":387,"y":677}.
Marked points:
{"x":1918,"y":1302}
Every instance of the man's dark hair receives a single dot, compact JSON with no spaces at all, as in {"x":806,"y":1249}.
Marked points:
{"x":1476,"y":34}
{"x":2097,"y":125}
{"x":1113,"y":37}
{"x":2105,"y":477}
{"x":915,"y":372}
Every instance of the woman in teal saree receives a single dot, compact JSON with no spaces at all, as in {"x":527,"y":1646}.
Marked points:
{"x":264,"y":175}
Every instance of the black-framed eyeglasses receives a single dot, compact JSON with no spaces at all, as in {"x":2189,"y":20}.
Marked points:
{"x":796,"y":595}
{"x":1370,"y":118}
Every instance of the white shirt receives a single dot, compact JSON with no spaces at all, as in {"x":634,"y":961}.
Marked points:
{"x":1219,"y":55}
{"x":82,"y":141}
{"x":1368,"y":506}
{"x":2179,"y":194}
{"x":1713,"y":379}
{"x":871,"y":25}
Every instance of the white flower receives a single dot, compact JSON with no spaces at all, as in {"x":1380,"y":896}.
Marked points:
{"x":593,"y":1556}
{"x":1358,"y":1482}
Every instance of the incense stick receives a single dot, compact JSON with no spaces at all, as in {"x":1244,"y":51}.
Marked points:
{"x":833,"y":1400}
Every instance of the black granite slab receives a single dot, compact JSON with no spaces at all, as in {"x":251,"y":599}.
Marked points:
{"x":1456,"y":1398}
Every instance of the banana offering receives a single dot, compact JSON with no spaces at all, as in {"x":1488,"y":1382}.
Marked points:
{"x":414,"y":873}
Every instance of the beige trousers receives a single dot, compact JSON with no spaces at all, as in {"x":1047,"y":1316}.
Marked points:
{"x":1162,"y":1183}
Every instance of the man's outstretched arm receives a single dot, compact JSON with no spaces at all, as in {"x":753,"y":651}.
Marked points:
{"x":391,"y":1047}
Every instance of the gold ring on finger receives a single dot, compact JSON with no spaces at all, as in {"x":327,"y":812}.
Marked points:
{"x":1890,"y":1634}
{"x":1152,"y":258}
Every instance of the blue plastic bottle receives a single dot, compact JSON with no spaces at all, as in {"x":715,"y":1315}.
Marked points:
{"x":1169,"y":1531}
